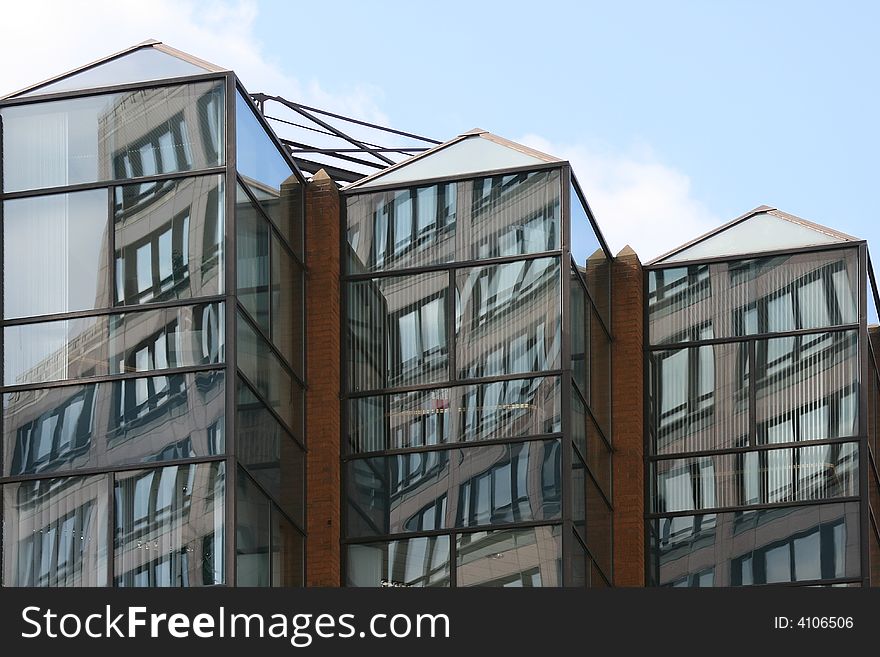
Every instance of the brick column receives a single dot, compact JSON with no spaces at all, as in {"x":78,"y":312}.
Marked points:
{"x":627,"y":385}
{"x":323,"y":378}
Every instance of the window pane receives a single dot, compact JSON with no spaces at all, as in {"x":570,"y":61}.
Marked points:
{"x":598,"y":527}
{"x":392,"y":230}
{"x":252,"y":531}
{"x":270,"y":454}
{"x":169,"y":240}
{"x":591,"y":259}
{"x":55,"y":532}
{"x":510,"y":215}
{"x":410,"y":562}
{"x":252,"y":260}
{"x":686,"y":413}
{"x":288,"y":305}
{"x":138,"y":66}
{"x":807,"y":387}
{"x":778,"y":475}
{"x":288,"y":552}
{"x":510,"y":558}
{"x":55,"y":254}
{"x":758,"y":547}
{"x":507,"y":318}
{"x":268,"y":175}
{"x":397,"y":331}
{"x":113,"y":136}
{"x":104,"y":424}
{"x":269,"y":376}
{"x":140,"y":341}
{"x":747,"y":297}
{"x":170,"y":526}
{"x":468,"y":487}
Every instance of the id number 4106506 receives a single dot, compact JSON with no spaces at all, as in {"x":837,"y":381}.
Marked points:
{"x":813,"y":623}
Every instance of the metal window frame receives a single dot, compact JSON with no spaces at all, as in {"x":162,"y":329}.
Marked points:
{"x":865,"y":277}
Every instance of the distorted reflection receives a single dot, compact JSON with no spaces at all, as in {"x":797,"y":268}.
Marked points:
{"x":170,"y":526}
{"x":55,"y":532}
{"x":114,"y":423}
{"x":765,"y":546}
{"x":510,"y":558}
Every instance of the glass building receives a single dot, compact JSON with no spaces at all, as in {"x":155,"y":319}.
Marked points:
{"x":153,"y":349}
{"x":761,"y":408}
{"x":476,"y":373}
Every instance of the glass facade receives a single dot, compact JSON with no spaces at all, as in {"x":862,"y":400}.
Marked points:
{"x":153,"y":428}
{"x":458,"y":437}
{"x":755,"y":427}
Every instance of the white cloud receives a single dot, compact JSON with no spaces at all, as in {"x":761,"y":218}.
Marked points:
{"x":636,"y":199}
{"x":40,"y":39}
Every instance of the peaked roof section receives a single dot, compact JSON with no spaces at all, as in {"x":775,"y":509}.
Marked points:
{"x":149,"y":60}
{"x":761,"y":229}
{"x":475,"y":151}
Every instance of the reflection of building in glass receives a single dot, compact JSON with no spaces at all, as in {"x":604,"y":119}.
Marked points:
{"x":756,"y":427}
{"x":463,"y":405}
{"x":151,"y":419}
{"x":460,"y":438}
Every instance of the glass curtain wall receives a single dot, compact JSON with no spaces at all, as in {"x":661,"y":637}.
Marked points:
{"x":122,"y":387}
{"x":455,"y":435}
{"x":754,"y":420}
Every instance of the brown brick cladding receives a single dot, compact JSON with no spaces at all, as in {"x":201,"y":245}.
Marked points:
{"x":627,"y":376}
{"x":323,"y":378}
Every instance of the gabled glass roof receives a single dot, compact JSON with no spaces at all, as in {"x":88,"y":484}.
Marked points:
{"x":763,"y":229}
{"x":148,"y":61}
{"x":473,"y":152}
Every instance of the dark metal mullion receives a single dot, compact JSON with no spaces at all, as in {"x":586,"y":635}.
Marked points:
{"x":111,"y":529}
{"x":752,"y":438}
{"x":754,"y":255}
{"x":453,"y":559}
{"x":355,"y":190}
{"x":452,"y":384}
{"x":751,"y":507}
{"x":425,"y":533}
{"x":673,"y":346}
{"x":566,"y":383}
{"x":763,"y":447}
{"x":442,"y":267}
{"x":116,"y":310}
{"x":104,"y":469}
{"x":231,"y":283}
{"x":103,"y":184}
{"x":864,"y":448}
{"x":106,"y":378}
{"x":112,"y":89}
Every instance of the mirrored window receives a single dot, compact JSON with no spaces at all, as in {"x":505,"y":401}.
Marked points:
{"x":790,"y":544}
{"x":512,"y":558}
{"x":267,"y":174}
{"x":55,"y":532}
{"x":55,"y":254}
{"x":154,"y":419}
{"x":411,"y":562}
{"x":397,"y":331}
{"x":169,"y":240}
{"x":468,"y":487}
{"x":113,"y":136}
{"x":142,"y":341}
{"x":270,"y":454}
{"x":507,"y":318}
{"x":252,"y":534}
{"x":170,"y":526}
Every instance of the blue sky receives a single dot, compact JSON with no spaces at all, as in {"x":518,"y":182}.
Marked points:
{"x":676,"y":115}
